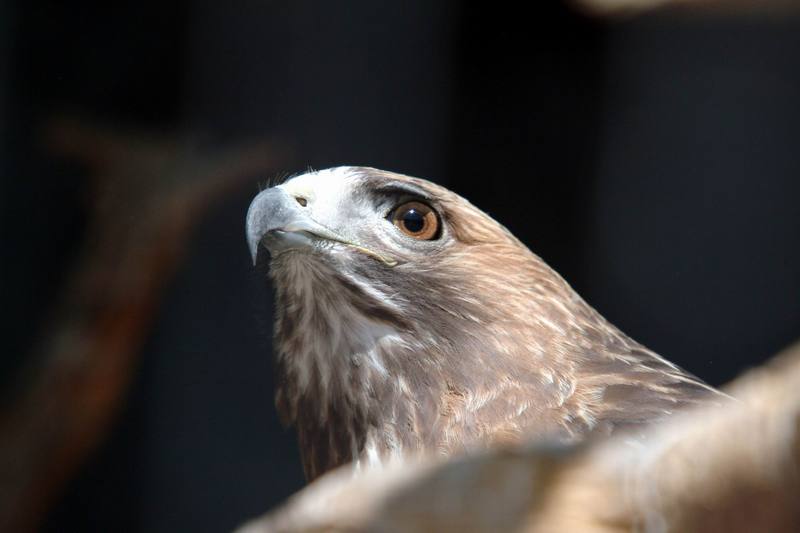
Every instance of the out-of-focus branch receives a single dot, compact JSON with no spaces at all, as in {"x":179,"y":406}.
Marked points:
{"x":147,"y":194}
{"x":733,"y":468}
{"x":615,"y":8}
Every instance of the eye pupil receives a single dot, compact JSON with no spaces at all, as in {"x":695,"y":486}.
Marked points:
{"x":417,"y":220}
{"x":413,"y":221}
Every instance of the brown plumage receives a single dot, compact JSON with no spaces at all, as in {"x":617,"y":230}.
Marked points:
{"x":389,"y":344}
{"x":728,"y":468}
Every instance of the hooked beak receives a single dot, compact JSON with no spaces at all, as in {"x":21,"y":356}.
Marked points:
{"x":277,"y":220}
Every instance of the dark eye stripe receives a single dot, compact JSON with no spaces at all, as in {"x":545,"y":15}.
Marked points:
{"x":397,"y":190}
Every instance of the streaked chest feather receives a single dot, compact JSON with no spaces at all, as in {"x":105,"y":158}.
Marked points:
{"x":322,"y":331}
{"x":363,"y":382}
{"x":337,"y":386}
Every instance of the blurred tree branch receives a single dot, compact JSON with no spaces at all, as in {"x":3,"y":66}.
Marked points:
{"x":615,"y":8}
{"x":147,"y":195}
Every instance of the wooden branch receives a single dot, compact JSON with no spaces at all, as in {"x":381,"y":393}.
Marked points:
{"x":626,"y":8}
{"x":148,"y":193}
{"x":733,"y":468}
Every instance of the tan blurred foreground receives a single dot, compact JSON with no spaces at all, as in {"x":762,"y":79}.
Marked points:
{"x":731,"y":468}
{"x":614,"y":8}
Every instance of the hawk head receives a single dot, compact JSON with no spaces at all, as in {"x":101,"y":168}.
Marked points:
{"x":409,"y":321}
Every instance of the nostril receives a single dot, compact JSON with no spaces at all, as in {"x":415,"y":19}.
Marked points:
{"x":300,"y":200}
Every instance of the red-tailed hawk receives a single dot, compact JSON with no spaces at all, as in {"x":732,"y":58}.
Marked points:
{"x":409,"y":321}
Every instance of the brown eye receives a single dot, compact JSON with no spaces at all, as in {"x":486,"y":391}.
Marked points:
{"x":417,"y":220}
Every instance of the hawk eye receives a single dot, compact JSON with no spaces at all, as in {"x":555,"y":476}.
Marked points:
{"x":417,"y":220}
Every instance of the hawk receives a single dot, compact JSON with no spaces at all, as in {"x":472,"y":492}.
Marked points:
{"x":410,"y":322}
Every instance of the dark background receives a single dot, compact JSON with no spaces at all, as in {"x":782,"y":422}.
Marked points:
{"x":654,"y":162}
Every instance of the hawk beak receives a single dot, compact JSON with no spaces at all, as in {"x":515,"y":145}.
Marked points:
{"x":276,"y":218}
{"x":277,"y":214}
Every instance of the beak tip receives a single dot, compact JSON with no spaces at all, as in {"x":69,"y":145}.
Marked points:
{"x":253,"y":253}
{"x":254,"y":230}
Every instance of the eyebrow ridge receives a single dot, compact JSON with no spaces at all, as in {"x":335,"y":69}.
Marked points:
{"x":395,"y":188}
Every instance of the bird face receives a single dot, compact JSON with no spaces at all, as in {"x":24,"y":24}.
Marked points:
{"x":343,"y":213}
{"x":407,"y":320}
{"x":384,"y":287}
